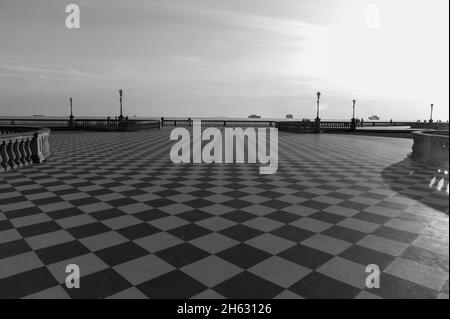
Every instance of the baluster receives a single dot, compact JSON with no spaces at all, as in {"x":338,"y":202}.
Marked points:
{"x":22,"y":152}
{"x":1,"y":156}
{"x":27,"y":148}
{"x":15,"y":149}
{"x":9,"y":150}
{"x":4,"y":156}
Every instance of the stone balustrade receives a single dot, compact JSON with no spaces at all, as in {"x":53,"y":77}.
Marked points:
{"x":296,"y":126}
{"x":431,"y":147}
{"x":22,"y":146}
{"x":430,"y":126}
{"x":315,"y":127}
{"x":218,"y":123}
{"x":89,"y":124}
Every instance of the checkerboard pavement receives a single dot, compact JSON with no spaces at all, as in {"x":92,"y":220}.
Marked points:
{"x":139,"y":226}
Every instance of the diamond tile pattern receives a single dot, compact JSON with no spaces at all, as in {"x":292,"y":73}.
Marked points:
{"x":139,"y":226}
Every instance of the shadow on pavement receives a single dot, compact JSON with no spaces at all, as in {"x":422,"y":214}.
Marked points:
{"x":416,"y":180}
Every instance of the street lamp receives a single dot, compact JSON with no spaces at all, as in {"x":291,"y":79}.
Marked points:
{"x":354,"y":102}
{"x":353,"y":122}
{"x":70,"y":101}
{"x":71,"y":113}
{"x":121,"y":93}
{"x":318,"y":104}
{"x":431,"y":115}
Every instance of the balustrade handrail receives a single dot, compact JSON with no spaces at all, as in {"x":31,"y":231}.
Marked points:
{"x":14,"y":131}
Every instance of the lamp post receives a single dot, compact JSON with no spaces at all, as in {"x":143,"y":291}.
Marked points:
{"x":317,"y":121}
{"x":318,"y":104}
{"x":431,"y":115}
{"x":121,"y":93}
{"x":71,"y":113}
{"x":353,"y":123}
{"x":354,"y":103}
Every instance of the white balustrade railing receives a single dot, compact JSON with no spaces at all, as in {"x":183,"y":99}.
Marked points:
{"x":23,"y":146}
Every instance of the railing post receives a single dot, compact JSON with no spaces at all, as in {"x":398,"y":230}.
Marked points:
{"x":353,"y":125}
{"x":38,"y":148}
{"x":317,"y":125}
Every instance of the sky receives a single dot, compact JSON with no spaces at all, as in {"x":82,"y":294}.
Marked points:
{"x":201,"y":58}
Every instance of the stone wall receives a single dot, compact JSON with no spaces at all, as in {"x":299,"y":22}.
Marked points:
{"x":431,"y":147}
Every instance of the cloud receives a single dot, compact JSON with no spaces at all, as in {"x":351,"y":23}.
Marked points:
{"x":43,"y":70}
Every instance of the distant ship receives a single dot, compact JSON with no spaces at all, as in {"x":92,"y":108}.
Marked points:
{"x":374,"y":118}
{"x":254,"y":116}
